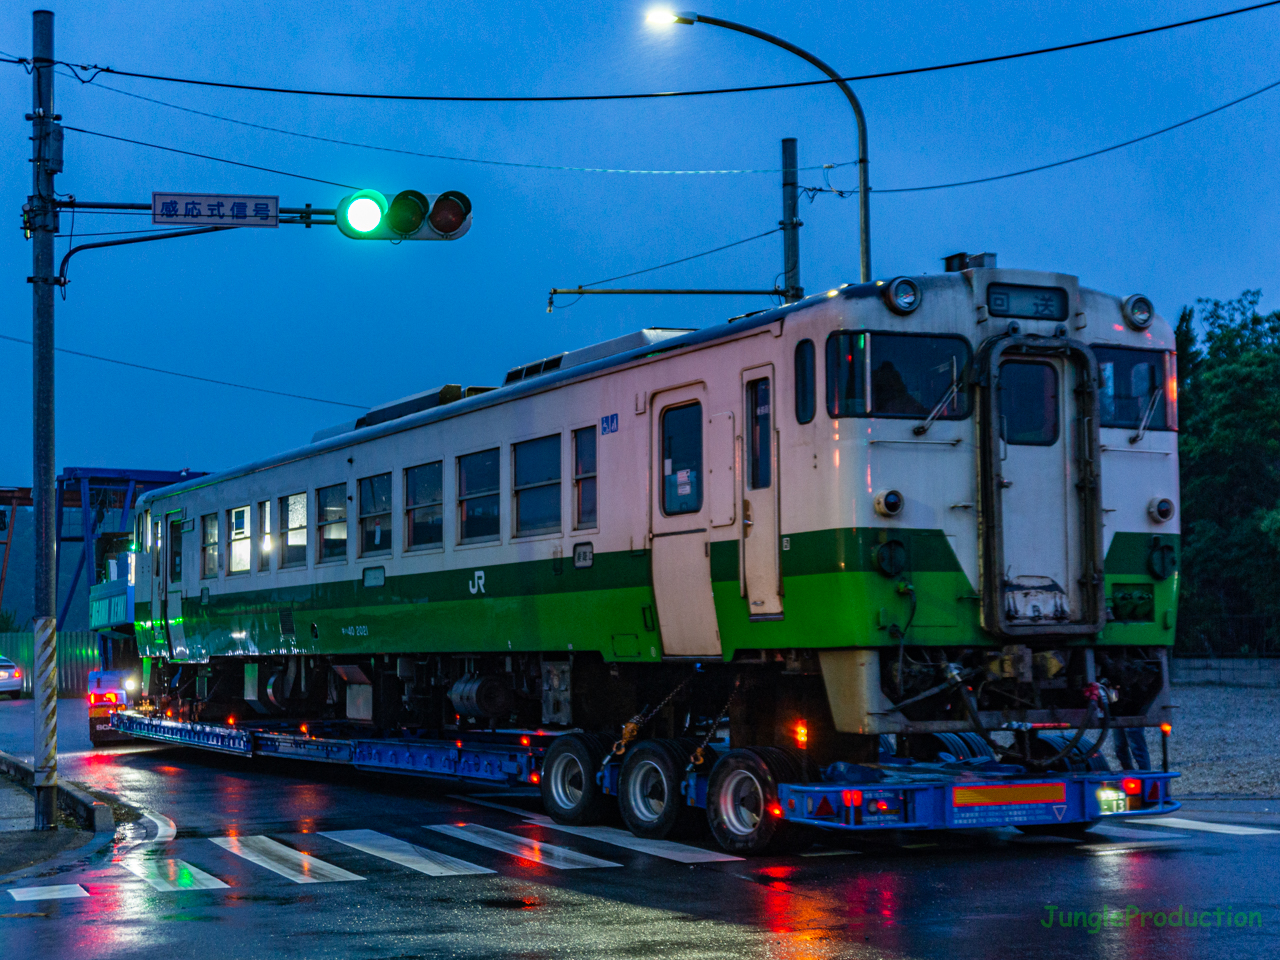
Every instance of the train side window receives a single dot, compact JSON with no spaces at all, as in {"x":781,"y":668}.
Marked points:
{"x":682,"y":459}
{"x":175,"y":551}
{"x":293,"y":529}
{"x":238,"y":542}
{"x":208,"y":546}
{"x":479,"y":513}
{"x":331,"y":522}
{"x":846,"y":391}
{"x":537,"y":485}
{"x":424,"y":506}
{"x":584,"y":478}
{"x":1027,"y":393}
{"x":375,"y":515}
{"x":759,"y":436}
{"x":806,"y":388}
{"x":264,"y":530}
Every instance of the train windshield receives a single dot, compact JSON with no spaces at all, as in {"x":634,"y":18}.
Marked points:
{"x":1132,"y":384}
{"x":897,"y":375}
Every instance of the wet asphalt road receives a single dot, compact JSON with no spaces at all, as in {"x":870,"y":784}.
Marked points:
{"x":906,"y":896}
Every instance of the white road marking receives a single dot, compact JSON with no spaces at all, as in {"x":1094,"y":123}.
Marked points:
{"x":667,"y":849}
{"x":518,"y":811}
{"x":171,"y":876}
{"x":292,"y":864}
{"x":56,"y":892}
{"x":1205,"y":826}
{"x":1123,"y":833}
{"x":1106,"y":849}
{"x":831,"y":853}
{"x":166,"y":829}
{"x":404,"y":853}
{"x":561,"y":858}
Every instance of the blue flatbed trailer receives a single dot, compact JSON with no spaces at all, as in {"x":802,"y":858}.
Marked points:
{"x":891,"y":795}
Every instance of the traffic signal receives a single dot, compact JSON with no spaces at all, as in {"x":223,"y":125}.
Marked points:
{"x":366,"y":215}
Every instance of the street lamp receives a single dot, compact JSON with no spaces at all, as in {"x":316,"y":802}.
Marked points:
{"x":664,"y":17}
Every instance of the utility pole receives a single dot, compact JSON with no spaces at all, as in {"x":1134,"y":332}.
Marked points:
{"x":790,"y":224}
{"x":42,"y":221}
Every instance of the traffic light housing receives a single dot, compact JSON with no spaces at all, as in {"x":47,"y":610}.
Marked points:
{"x":410,"y":215}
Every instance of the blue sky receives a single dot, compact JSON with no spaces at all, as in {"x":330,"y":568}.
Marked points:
{"x":1193,"y":213}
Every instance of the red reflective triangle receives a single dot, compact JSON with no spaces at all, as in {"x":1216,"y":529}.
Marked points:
{"x":1154,"y":792}
{"x":825,"y":809}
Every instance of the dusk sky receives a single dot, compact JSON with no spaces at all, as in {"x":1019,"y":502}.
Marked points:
{"x":1190,"y":214}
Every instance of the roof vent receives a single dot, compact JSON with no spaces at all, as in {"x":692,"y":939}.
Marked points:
{"x":647,"y":337}
{"x":964,"y":261}
{"x":426,"y":400}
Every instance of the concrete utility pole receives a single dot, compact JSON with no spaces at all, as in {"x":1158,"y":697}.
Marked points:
{"x":790,"y":224}
{"x":42,"y":220}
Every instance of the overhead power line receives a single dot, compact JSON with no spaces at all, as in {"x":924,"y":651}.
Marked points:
{"x":190,"y":376}
{"x":95,"y":70}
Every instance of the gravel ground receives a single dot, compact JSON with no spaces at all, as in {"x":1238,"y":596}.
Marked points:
{"x":1225,"y":741}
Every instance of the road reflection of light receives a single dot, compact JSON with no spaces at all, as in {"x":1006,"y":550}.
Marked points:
{"x":1142,"y":879}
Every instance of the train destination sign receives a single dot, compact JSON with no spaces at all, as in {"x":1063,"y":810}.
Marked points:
{"x":215,"y":209}
{"x":1027,"y":303}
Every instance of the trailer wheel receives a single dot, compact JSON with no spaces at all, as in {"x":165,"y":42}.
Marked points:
{"x":649,"y":797}
{"x":570,"y":792}
{"x":742,"y":797}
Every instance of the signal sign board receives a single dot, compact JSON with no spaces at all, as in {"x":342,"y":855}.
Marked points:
{"x":214,"y":209}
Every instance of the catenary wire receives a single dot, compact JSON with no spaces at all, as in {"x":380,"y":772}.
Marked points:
{"x":96,"y":70}
{"x":191,"y":376}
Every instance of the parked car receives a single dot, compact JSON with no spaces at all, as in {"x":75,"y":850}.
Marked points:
{"x":10,"y":678}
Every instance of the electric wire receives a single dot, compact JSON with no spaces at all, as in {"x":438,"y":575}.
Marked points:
{"x":909,"y":71}
{"x":191,"y":376}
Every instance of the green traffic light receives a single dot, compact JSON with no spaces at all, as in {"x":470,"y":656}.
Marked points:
{"x":364,"y":214}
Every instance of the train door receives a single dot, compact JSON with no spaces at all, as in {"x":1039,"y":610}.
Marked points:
{"x":680,"y":524}
{"x":171,"y":581}
{"x":1041,"y":516}
{"x":760,"y":561}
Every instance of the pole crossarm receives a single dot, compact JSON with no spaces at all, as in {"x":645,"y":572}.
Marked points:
{"x":61,"y":280}
{"x":582,"y":292}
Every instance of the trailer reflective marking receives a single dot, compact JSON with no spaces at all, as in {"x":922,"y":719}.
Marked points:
{"x":561,"y":858}
{"x":1002,"y":794}
{"x":61,"y":891}
{"x":404,"y":853}
{"x":292,"y":864}
{"x":166,"y":829}
{"x":668,"y":850}
{"x":1205,"y":826}
{"x":170,"y":876}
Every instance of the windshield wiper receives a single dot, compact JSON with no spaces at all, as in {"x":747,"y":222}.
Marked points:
{"x":1146,"y":417}
{"x":922,"y":428}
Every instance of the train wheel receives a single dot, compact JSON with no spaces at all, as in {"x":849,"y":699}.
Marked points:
{"x":570,"y":792}
{"x":742,"y":797}
{"x":649,"y":797}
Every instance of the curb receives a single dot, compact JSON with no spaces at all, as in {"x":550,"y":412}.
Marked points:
{"x":93,"y":814}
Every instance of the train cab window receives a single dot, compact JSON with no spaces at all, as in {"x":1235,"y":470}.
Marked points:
{"x":264,"y":531}
{"x":682,"y":459}
{"x":1132,"y":384}
{"x":584,"y":478}
{"x":806,"y":387}
{"x":1027,"y":394}
{"x":175,"y":551}
{"x":331,"y":522}
{"x":479,"y":513}
{"x":759,"y":436}
{"x":238,"y":542}
{"x":424,"y":506}
{"x":913,"y":376}
{"x":536,"y":472}
{"x":375,"y":515}
{"x":293,"y":530}
{"x":208,"y":546}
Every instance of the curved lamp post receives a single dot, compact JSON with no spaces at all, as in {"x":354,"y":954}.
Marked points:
{"x":864,"y":206}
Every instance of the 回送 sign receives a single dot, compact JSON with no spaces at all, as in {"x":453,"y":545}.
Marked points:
{"x":214,"y":209}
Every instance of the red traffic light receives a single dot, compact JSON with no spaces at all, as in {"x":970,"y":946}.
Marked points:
{"x":449,"y":212}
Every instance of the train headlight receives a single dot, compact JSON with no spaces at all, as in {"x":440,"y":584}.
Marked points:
{"x":1138,"y":311}
{"x":901,"y":295}
{"x":889,"y":503}
{"x":1160,"y":509}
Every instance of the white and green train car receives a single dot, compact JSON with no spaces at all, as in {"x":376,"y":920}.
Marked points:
{"x":931,"y":505}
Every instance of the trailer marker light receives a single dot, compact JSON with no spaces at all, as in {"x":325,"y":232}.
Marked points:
{"x":851,"y":798}
{"x":459,"y":744}
{"x":534,"y":777}
{"x":231,"y":721}
{"x":303,"y":728}
{"x":776,"y":810}
{"x":524,"y":741}
{"x":802,"y":735}
{"x":1166,"y":728}
{"x":168,"y":713}
{"x":1131,"y":786}
{"x":882,"y":805}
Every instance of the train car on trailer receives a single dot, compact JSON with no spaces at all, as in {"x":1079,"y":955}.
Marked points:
{"x":863,"y":560}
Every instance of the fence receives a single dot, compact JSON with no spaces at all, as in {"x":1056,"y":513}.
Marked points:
{"x":77,"y":655}
{"x":1241,"y":635}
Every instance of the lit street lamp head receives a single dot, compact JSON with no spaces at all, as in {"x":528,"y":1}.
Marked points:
{"x":664,"y":17}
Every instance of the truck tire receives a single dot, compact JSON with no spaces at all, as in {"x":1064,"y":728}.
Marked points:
{"x":649,"y":796}
{"x":742,"y":796}
{"x":570,"y":792}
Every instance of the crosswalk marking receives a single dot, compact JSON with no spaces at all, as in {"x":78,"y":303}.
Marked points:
{"x":546,"y":854}
{"x":667,"y":849}
{"x":293,"y":864}
{"x":170,"y":876}
{"x":404,"y":853}
{"x":62,"y":891}
{"x":1205,"y":826}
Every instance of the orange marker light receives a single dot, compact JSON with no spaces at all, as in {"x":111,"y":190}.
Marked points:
{"x":1166,"y":728}
{"x":231,"y":721}
{"x":303,"y":728}
{"x":534,"y":777}
{"x":802,"y":735}
{"x":524,"y":741}
{"x":776,"y":810}
{"x":168,"y":713}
